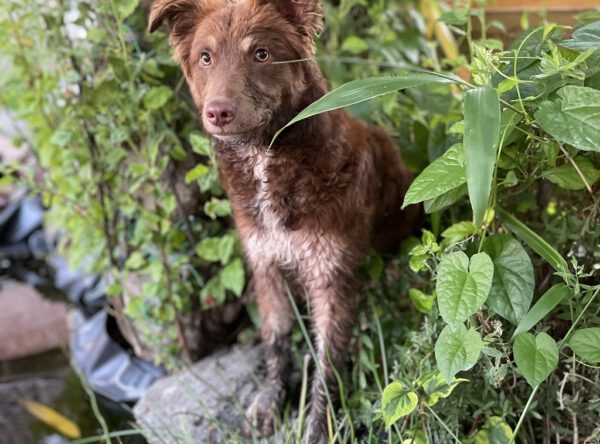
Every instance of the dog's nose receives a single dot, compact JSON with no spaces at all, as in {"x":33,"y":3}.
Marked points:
{"x":220,"y":112}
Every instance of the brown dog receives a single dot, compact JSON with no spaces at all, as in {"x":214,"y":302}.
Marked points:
{"x":308,"y":208}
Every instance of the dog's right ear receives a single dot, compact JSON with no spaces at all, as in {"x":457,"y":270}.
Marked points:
{"x":181,"y":15}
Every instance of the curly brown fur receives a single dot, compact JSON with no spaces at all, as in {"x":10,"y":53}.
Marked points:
{"x":308,"y":208}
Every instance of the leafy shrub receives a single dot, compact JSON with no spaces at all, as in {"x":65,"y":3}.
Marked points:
{"x":523,"y":146}
{"x":115,"y":136}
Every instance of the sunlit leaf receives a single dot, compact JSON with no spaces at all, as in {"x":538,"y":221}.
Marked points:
{"x":396,"y":402}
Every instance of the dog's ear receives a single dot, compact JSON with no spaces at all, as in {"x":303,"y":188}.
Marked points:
{"x":307,"y":15}
{"x":181,"y":16}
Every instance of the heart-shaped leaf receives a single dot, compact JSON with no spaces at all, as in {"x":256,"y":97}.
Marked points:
{"x":586,"y":343}
{"x":512,"y":286}
{"x":536,"y":356}
{"x":397,"y":402}
{"x":463,"y":285}
{"x":456,"y":349}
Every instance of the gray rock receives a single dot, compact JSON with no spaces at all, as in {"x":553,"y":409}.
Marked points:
{"x":204,"y":404}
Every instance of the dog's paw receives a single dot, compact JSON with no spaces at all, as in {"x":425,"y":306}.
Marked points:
{"x":264,"y":411}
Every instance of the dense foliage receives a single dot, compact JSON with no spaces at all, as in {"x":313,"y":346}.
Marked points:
{"x":486,"y":324}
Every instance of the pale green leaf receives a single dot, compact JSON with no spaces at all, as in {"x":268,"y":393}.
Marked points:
{"x":566,"y":176}
{"x":233,"y":277}
{"x":586,"y":343}
{"x":536,"y":356}
{"x":459,"y":231}
{"x":436,"y":387}
{"x":575,"y":119}
{"x":157,"y":97}
{"x":463,"y":285}
{"x":396,"y":402}
{"x":442,"y":175}
{"x":457,"y":349}
{"x":196,"y":173}
{"x":422,"y":302}
{"x":446,"y":199}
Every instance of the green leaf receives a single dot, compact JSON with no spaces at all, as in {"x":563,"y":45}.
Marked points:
{"x":157,"y":97}
{"x":542,"y":307}
{"x":422,"y":302}
{"x":584,"y":38}
{"x":514,"y":280}
{"x":125,"y":8}
{"x":539,"y":245}
{"x":397,"y":402}
{"x":364,"y":89}
{"x":226,"y":246}
{"x":217,"y":208}
{"x":436,"y":387}
{"x":354,"y":45}
{"x":495,"y":431}
{"x":457,"y":349}
{"x":442,"y":175}
{"x":446,"y":199}
{"x":200,"y":144}
{"x":575,"y":119}
{"x":566,"y":176}
{"x":482,"y":135}
{"x":196,"y":173}
{"x":214,"y":289}
{"x":586,"y":343}
{"x":457,"y":16}
{"x":233,"y":276}
{"x":459,"y":231}
{"x":536,"y":356}
{"x":208,"y":249}
{"x":463,"y":285}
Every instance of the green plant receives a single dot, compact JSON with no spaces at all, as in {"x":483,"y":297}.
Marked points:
{"x":529,"y":119}
{"x":114,"y":136}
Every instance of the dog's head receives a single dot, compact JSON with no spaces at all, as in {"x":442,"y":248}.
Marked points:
{"x":233,"y":55}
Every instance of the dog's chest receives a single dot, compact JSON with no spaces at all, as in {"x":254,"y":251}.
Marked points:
{"x":272,"y":239}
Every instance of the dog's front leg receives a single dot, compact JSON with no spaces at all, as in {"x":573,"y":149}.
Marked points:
{"x":333,"y":304}
{"x":277,"y":320}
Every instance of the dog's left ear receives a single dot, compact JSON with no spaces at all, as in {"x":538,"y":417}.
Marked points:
{"x":306,"y":15}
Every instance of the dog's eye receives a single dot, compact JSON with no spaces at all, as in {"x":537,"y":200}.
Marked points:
{"x":205,"y":58}
{"x":261,"y":55}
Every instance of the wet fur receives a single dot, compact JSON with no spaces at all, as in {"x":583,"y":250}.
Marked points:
{"x":307,"y":209}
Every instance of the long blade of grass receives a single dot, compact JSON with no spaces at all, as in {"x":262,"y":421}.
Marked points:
{"x":364,"y":89}
{"x":542,"y":307}
{"x":539,"y":245}
{"x":482,"y":133}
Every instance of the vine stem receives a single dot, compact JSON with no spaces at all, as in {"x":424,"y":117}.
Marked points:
{"x":560,"y":345}
{"x":581,"y":175}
